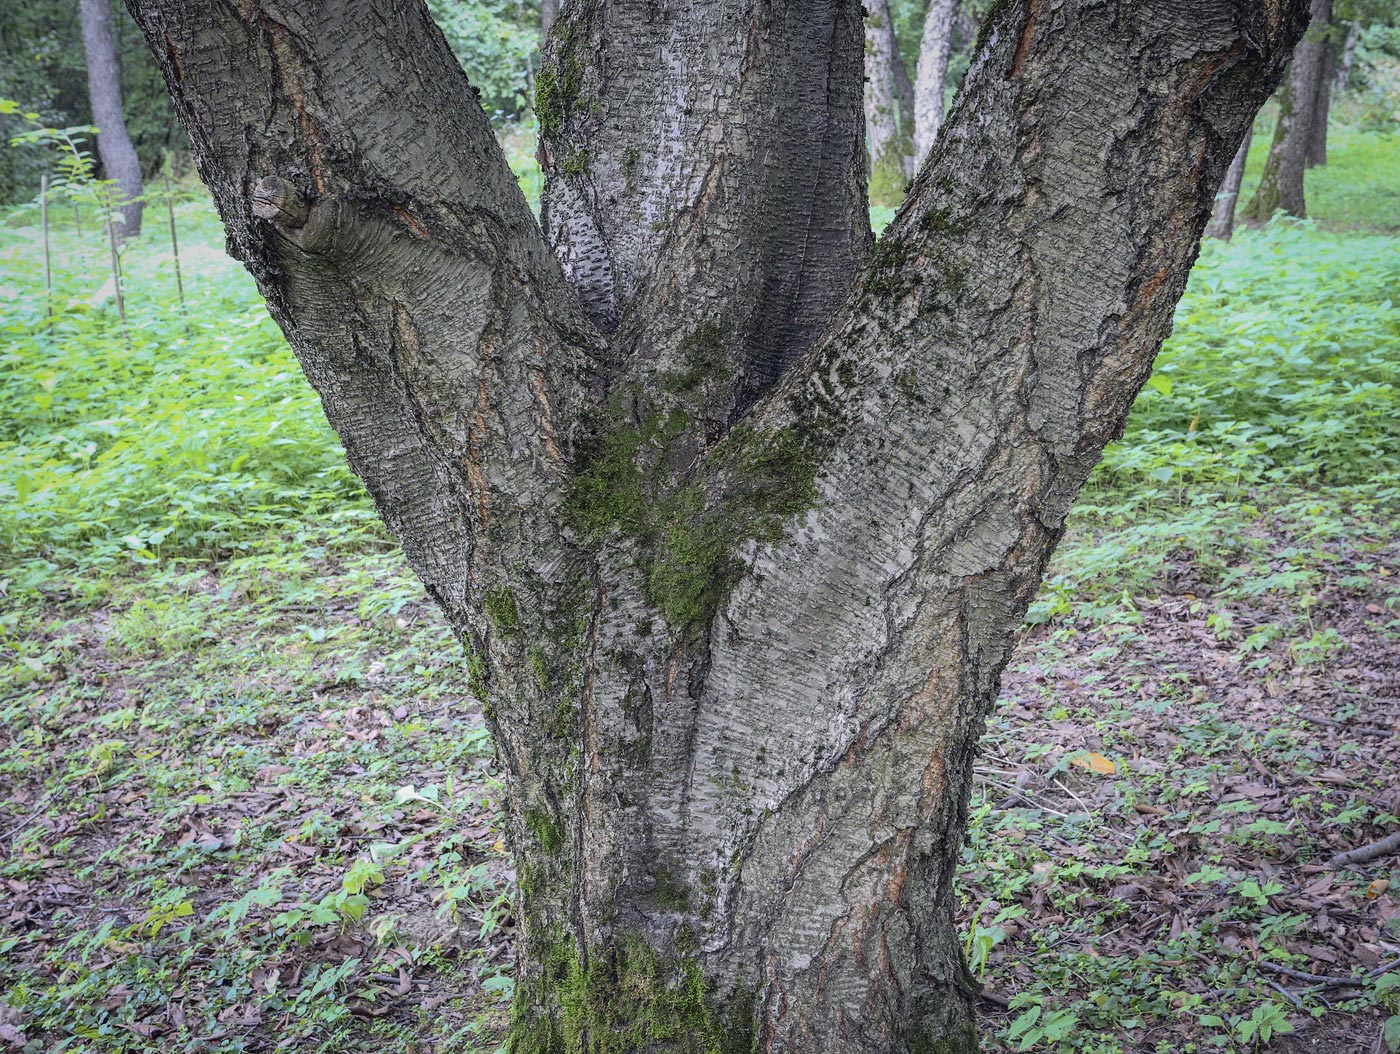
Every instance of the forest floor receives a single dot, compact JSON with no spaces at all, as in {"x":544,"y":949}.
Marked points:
{"x":247,"y":804}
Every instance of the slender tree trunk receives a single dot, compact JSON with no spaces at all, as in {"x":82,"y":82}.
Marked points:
{"x":889,"y":153}
{"x":904,"y":95}
{"x":738,"y":546}
{"x":934,"y":49}
{"x":1322,"y":105}
{"x":1281,"y":185}
{"x":1222,"y":215}
{"x":119,"y":161}
{"x":549,"y":10}
{"x":1343,"y":81}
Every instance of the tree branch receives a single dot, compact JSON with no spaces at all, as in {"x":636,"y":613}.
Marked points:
{"x":362,"y":186}
{"x":706,"y":166}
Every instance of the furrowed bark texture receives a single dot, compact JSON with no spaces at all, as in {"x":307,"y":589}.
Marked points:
{"x":890,"y":168}
{"x":119,"y":161}
{"x":1222,"y":216}
{"x":704,"y":162}
{"x":934,"y":48}
{"x":1281,"y":184}
{"x":736,"y":660}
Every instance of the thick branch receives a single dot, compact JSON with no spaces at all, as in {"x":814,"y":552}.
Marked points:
{"x":1000,"y":334}
{"x":362,"y":186}
{"x":703,"y":163}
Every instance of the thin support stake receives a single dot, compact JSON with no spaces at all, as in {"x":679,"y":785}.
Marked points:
{"x":117,"y":275}
{"x":175,"y":252}
{"x":48,"y":260}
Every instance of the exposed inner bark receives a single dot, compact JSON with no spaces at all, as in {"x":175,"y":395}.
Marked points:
{"x":738,"y":551}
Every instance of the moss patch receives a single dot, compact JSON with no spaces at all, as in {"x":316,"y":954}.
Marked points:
{"x":622,"y":1001}
{"x":688,"y":536}
{"x":500,"y":607}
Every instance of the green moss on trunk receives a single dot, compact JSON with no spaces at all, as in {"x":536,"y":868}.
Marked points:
{"x":625,"y":1000}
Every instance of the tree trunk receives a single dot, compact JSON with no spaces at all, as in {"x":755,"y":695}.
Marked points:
{"x":1343,"y":81}
{"x":889,"y":153}
{"x":549,"y":10}
{"x":738,"y":549}
{"x":119,"y":161}
{"x":904,"y":95}
{"x":1222,"y":215}
{"x":1281,"y":185}
{"x":1322,"y":106}
{"x":934,"y":48}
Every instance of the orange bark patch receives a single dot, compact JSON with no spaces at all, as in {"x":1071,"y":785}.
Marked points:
{"x":1023,"y":46}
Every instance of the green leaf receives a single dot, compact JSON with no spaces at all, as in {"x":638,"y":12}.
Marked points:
{"x":1391,"y":1033}
{"x":1160,"y":383}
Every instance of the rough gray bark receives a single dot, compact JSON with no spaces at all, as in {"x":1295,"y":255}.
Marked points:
{"x":119,"y":161}
{"x":890,"y":167}
{"x":1281,"y":184}
{"x":1343,"y":81}
{"x":549,"y":11}
{"x":738,"y":591}
{"x":1222,"y":215}
{"x":934,"y":48}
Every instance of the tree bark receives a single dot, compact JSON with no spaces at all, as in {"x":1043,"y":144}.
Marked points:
{"x":549,"y":11}
{"x":1222,"y":215}
{"x":934,"y":49}
{"x":738,"y":592}
{"x":1281,"y":184}
{"x":889,"y":153}
{"x":1322,"y":105}
{"x":119,"y":161}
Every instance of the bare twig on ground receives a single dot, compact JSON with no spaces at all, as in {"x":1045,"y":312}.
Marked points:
{"x":1365,"y":853}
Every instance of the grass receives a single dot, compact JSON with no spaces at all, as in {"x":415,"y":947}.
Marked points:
{"x":249,"y":804}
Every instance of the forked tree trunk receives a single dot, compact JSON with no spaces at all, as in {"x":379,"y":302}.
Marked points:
{"x":1222,"y":215}
{"x":738,"y":546}
{"x":934,"y":48}
{"x":119,"y":161}
{"x":1281,"y":184}
{"x":890,"y":168}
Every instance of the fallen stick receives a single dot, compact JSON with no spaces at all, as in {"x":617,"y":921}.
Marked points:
{"x":1314,"y":978}
{"x":1366,"y":853}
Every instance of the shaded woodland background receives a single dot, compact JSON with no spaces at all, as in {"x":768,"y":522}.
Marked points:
{"x":248,"y":800}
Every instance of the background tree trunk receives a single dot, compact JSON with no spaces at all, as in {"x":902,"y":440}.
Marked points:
{"x":1322,"y":104}
{"x":904,"y":95}
{"x":934,"y":48}
{"x":119,"y":161}
{"x":1222,"y":215}
{"x":1281,"y":185}
{"x":549,"y":10}
{"x":1343,"y":81}
{"x":738,"y":598}
{"x":889,"y":154}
